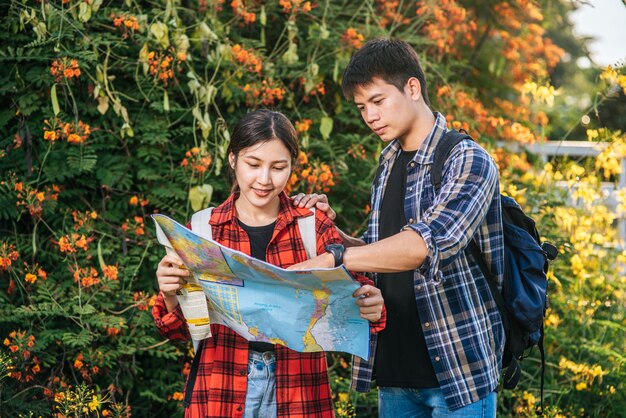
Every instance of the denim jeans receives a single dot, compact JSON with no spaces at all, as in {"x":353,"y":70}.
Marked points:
{"x":261,"y":393}
{"x":417,"y":403}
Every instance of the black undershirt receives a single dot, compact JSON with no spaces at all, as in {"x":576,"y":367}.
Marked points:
{"x":260,"y":237}
{"x":402,"y":358}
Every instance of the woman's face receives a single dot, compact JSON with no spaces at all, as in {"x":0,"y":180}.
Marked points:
{"x":262,"y":172}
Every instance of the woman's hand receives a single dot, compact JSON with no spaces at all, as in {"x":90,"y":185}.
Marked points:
{"x":370,"y":301}
{"x":171,"y":277}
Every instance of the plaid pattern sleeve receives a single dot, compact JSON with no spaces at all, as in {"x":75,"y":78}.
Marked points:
{"x":171,"y":325}
{"x":462,"y":327}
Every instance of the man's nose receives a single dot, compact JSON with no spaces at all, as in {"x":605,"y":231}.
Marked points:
{"x":371,"y":114}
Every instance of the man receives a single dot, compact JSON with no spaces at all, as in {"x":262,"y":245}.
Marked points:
{"x":440,"y":354}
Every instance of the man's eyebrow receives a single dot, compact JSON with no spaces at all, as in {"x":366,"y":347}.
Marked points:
{"x":371,"y":98}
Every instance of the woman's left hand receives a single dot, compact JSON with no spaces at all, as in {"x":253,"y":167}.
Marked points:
{"x":370,"y":301}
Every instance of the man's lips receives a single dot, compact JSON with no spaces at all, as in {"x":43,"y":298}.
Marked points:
{"x":380,"y":130}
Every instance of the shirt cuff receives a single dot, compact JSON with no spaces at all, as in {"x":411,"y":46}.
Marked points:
{"x":430,"y":267}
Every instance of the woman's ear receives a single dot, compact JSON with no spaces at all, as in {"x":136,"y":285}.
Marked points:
{"x":232,"y":160}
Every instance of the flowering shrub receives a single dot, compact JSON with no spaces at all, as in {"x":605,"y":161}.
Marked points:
{"x":117,"y":110}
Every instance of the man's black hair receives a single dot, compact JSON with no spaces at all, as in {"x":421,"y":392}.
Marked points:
{"x":392,"y":60}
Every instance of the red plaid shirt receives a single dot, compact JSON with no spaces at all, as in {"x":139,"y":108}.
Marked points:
{"x":302,"y":387}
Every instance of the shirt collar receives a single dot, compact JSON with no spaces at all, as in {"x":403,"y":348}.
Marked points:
{"x":226,"y":212}
{"x":425,"y":153}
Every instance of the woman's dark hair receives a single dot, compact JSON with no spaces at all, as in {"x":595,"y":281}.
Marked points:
{"x":392,"y":60}
{"x":261,"y":126}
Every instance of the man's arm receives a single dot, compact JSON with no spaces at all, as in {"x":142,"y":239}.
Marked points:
{"x":403,"y":251}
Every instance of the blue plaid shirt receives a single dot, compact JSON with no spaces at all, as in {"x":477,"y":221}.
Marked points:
{"x":460,"y":319}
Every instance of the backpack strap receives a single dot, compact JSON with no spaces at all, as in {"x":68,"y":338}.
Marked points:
{"x":200,"y":223}
{"x":306,"y":226}
{"x":449,"y":140}
{"x":200,"y":226}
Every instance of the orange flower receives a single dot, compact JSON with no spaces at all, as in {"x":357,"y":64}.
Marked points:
{"x":244,"y":57}
{"x":81,"y":242}
{"x":78,"y":362}
{"x":110,"y":272}
{"x":304,"y":125}
{"x":352,"y":38}
{"x":50,"y":135}
{"x":66,"y":246}
{"x":133,"y":201}
{"x":30,"y":278}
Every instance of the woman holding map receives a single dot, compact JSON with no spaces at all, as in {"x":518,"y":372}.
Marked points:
{"x":231,"y":376}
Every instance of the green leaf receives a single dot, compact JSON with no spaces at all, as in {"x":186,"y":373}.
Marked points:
{"x":82,"y":339}
{"x":326,"y":127}
{"x":84,"y":12}
{"x":200,"y":196}
{"x":84,"y":310}
{"x":55,"y":100}
{"x":166,"y":101}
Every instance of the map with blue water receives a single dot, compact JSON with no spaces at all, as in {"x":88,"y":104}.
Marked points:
{"x":307,"y":311}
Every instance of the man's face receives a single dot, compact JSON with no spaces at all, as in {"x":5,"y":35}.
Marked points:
{"x":389,"y":112}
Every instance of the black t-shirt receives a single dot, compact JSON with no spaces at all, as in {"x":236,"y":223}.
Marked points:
{"x":260,"y":237}
{"x":402,"y":358}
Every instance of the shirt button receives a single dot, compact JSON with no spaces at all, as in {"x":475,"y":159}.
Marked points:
{"x":411,"y":221}
{"x":437,"y":358}
{"x":412,"y":164}
{"x":410,"y":189}
{"x":239,"y":408}
{"x":243,"y":372}
{"x":419,"y":287}
{"x":427,"y":324}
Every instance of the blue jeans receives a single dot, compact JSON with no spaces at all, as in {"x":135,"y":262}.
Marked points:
{"x":417,"y":403}
{"x":261,"y":393}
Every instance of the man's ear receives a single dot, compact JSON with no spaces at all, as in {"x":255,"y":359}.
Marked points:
{"x":414,"y":88}
{"x":232,"y":160}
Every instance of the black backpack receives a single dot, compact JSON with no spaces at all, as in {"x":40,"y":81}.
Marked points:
{"x":523,"y":301}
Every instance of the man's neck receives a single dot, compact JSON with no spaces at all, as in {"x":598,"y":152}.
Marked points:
{"x":424,"y":123}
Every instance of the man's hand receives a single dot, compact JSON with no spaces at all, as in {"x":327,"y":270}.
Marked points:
{"x":320,"y":201}
{"x":325,"y":260}
{"x":370,"y":301}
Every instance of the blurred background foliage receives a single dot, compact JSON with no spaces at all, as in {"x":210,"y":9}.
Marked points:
{"x":114,"y":110}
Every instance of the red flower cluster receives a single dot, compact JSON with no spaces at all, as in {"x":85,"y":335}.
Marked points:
{"x":198,"y":159}
{"x":126,"y":23}
{"x":65,"y":68}
{"x":73,"y":133}
{"x":352,"y":39}
{"x":8,"y":254}
{"x":24,"y":365}
{"x":240,"y":9}
{"x":247,"y":58}
{"x":266,"y":93}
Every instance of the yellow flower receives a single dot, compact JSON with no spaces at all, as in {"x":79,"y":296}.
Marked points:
{"x":581,"y":386}
{"x":343,"y":397}
{"x":94,"y":404}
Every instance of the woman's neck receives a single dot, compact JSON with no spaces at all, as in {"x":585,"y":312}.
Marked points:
{"x":257,"y":216}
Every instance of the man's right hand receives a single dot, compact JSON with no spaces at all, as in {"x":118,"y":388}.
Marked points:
{"x":320,"y":201}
